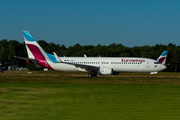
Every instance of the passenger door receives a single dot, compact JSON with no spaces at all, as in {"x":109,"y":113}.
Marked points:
{"x":147,"y":64}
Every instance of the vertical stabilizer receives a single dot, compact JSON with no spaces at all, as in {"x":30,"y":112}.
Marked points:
{"x":162,"y":57}
{"x":35,"y":51}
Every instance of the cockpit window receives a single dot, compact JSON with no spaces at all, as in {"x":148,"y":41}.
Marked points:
{"x":156,"y":63}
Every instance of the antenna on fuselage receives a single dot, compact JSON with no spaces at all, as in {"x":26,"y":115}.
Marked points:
{"x":85,"y":55}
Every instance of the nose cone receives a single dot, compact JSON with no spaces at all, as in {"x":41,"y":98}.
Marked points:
{"x":163,"y":67}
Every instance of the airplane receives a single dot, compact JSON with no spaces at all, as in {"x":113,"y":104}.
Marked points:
{"x":94,"y":65}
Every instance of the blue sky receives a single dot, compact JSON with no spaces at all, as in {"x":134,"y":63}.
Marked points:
{"x":92,"y":22}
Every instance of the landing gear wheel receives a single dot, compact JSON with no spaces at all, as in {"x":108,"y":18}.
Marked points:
{"x":150,"y":76}
{"x":92,"y":75}
{"x":89,"y":75}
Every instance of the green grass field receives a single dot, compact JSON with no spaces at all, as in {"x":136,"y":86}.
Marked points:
{"x":74,"y":96}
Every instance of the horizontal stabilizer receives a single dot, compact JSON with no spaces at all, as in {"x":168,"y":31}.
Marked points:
{"x":29,"y":60}
{"x":23,"y":58}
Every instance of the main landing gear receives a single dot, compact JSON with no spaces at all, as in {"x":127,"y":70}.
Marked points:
{"x":92,"y":74}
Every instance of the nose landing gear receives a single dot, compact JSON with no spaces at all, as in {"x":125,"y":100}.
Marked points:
{"x":151,"y":74}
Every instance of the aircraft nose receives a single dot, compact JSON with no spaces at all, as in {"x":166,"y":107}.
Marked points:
{"x":163,"y":67}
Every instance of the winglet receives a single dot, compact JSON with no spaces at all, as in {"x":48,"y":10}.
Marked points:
{"x":57,"y":58}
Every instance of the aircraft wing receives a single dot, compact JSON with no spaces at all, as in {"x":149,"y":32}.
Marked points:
{"x":87,"y":67}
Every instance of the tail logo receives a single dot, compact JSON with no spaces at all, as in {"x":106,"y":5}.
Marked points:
{"x":38,"y":55}
{"x":35,"y":51}
{"x":162,"y":57}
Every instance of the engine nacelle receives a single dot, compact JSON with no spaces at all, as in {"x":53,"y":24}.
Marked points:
{"x":105,"y":71}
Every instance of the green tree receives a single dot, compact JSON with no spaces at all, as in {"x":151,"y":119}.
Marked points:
{"x":11,"y":53}
{"x":175,"y":59}
{"x":3,"y":55}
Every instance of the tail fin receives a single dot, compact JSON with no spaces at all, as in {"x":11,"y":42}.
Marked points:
{"x":35,"y":51}
{"x":162,"y":57}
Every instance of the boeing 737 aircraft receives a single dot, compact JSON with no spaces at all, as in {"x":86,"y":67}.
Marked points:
{"x":94,"y":65}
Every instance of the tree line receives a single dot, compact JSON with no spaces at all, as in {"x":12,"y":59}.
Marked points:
{"x":9,"y":49}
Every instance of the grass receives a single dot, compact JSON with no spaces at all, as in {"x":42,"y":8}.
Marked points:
{"x":73,"y":96}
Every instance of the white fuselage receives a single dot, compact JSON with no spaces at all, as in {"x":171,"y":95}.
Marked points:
{"x":118,"y":64}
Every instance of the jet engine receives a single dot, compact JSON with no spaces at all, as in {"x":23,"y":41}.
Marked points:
{"x":105,"y":71}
